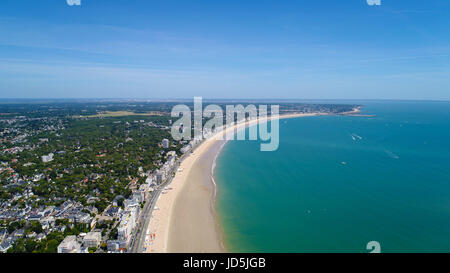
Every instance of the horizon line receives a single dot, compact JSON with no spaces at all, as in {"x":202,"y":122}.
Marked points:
{"x":219,"y":99}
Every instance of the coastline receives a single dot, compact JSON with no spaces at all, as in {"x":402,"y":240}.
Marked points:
{"x":183,"y":223}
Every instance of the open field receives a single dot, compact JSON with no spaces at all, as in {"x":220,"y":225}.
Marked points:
{"x":120,"y":114}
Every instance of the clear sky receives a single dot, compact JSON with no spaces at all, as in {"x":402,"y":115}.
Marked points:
{"x":312,"y":49}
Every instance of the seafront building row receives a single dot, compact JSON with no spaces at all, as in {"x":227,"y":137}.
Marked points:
{"x":127,"y":217}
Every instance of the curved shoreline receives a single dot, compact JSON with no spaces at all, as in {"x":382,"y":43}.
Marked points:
{"x":183,"y":223}
{"x":214,"y":166}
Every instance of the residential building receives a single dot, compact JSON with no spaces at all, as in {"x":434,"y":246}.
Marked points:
{"x":69,"y":245}
{"x":127,"y":223}
{"x":92,"y":239}
{"x":160,"y":177}
{"x":47,"y":158}
{"x":165,"y":143}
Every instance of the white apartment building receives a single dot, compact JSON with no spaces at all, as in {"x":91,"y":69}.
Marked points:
{"x":92,"y":239}
{"x":160,"y":177}
{"x":127,"y":223}
{"x":47,"y":158}
{"x":165,"y":143}
{"x":69,"y":245}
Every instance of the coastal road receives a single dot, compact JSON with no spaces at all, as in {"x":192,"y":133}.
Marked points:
{"x":138,"y":237}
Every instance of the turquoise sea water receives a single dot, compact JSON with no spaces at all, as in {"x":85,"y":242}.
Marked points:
{"x":394,"y":187}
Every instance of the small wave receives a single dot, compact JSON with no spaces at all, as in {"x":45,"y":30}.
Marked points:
{"x":214,"y":166}
{"x":392,"y":155}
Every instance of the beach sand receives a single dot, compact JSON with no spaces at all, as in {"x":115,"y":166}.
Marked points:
{"x":193,"y":226}
{"x":185,"y":220}
{"x":189,"y":218}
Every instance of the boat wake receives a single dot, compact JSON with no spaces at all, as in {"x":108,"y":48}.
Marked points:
{"x":355,"y":137}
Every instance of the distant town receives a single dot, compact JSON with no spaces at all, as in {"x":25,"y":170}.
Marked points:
{"x":78,"y":176}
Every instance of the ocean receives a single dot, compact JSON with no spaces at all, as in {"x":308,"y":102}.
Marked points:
{"x":339,"y":182}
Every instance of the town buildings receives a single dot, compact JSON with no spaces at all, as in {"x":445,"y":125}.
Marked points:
{"x":165,"y":143}
{"x":47,"y":158}
{"x":70,"y":245}
{"x":92,"y":239}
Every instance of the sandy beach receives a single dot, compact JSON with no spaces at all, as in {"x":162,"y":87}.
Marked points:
{"x":184,"y":219}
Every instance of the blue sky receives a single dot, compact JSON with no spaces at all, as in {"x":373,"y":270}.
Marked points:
{"x":315,"y":49}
